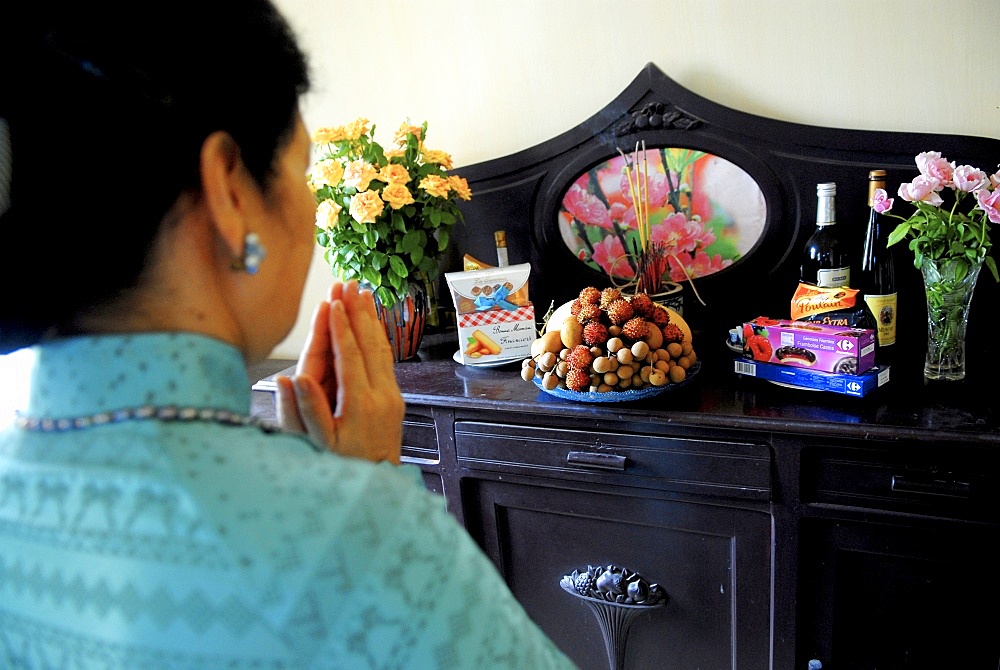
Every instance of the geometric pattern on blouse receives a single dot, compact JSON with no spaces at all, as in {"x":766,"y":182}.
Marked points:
{"x":194,"y":546}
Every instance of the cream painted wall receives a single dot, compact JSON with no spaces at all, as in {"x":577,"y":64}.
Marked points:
{"x":493,"y":78}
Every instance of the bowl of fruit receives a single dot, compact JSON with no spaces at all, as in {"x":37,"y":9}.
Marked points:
{"x":609,"y":346}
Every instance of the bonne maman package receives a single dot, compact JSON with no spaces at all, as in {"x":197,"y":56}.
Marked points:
{"x":496,"y":321}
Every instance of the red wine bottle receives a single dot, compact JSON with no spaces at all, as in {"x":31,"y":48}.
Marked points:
{"x":877,"y":277}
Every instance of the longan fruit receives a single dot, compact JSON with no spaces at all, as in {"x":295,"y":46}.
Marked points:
{"x":658,"y":377}
{"x":550,"y":381}
{"x":527,"y":373}
{"x":683,"y":362}
{"x":624,"y":355}
{"x":686,"y":348}
{"x":614,"y":344}
{"x":640,"y":350}
{"x":677,"y":374}
{"x":675,"y":350}
{"x":601,"y":364}
{"x":547,"y":360}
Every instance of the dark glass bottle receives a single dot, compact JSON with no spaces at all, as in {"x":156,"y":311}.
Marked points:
{"x":877,"y":277}
{"x":825,"y":261}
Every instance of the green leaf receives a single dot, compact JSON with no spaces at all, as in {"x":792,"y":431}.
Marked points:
{"x":386,"y":296}
{"x":397,"y":282}
{"x":417,"y":255}
{"x":397,"y":266}
{"x":991,"y":264}
{"x":412,"y":240}
{"x":398,"y":223}
{"x":372,"y":276}
{"x":429,"y":265}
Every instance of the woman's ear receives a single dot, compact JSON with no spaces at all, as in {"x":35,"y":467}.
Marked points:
{"x":225,"y":190}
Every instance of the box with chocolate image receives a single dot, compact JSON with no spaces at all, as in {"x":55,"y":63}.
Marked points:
{"x":804,"y":344}
{"x":496,"y":320}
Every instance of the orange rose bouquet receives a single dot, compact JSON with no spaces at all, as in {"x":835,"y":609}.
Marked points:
{"x":383,"y":216}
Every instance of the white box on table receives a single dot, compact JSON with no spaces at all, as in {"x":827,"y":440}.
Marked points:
{"x":495,"y":319}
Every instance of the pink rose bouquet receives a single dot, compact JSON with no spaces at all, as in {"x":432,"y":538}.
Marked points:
{"x":939,"y":229}
{"x":950,"y":241}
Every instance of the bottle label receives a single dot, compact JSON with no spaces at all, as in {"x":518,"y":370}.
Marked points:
{"x":884,"y":309}
{"x":833,"y":277}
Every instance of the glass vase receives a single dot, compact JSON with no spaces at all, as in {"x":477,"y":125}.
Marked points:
{"x":406,"y":320}
{"x":948,"y":286}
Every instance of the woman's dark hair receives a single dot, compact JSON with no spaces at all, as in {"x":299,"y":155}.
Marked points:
{"x":106,"y":115}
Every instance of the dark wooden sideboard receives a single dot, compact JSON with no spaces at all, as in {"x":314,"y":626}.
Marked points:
{"x":783,"y":524}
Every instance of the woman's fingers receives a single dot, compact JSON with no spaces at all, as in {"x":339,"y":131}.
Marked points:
{"x":371,"y":336}
{"x":345,"y":382}
{"x":287,"y":407}
{"x":364,"y":399}
{"x":315,"y":355}
{"x":314,"y":412}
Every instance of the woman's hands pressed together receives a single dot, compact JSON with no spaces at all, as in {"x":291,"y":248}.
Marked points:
{"x":344,"y":393}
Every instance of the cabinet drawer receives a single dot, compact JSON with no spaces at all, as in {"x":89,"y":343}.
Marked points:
{"x":420,"y":436}
{"x":941,"y":481}
{"x":735,"y":469}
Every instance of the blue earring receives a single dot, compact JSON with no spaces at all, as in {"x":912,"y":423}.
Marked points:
{"x":253,"y":254}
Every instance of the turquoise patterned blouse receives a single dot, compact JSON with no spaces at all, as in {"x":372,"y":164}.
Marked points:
{"x":183,"y":545}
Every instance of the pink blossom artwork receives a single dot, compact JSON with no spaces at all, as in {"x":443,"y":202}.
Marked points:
{"x":703,"y":212}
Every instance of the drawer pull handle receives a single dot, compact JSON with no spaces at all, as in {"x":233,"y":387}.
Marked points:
{"x":932,"y":487}
{"x":588,"y":459}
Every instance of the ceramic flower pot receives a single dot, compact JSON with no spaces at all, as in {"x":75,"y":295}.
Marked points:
{"x":948,"y":286}
{"x":406,"y":320}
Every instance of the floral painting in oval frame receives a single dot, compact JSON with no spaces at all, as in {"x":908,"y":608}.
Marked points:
{"x":702,"y":213}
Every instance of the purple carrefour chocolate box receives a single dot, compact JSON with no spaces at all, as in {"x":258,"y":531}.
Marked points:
{"x":805,"y":344}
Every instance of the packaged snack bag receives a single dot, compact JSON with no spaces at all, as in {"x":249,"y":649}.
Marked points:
{"x":496,"y":321}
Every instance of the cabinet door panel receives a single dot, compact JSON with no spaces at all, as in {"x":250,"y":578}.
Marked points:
{"x":713,"y":562}
{"x":892,"y":597}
